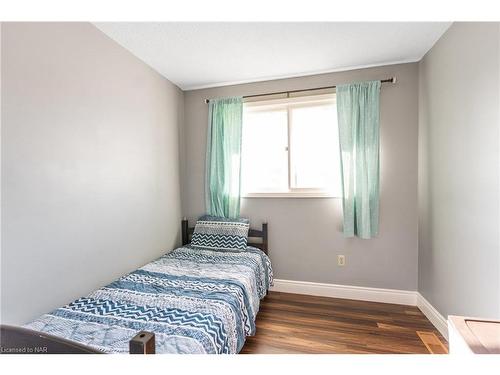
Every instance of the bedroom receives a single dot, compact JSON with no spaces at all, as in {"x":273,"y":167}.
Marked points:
{"x":149,"y":189}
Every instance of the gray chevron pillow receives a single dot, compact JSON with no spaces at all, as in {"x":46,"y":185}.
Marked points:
{"x":222,"y":235}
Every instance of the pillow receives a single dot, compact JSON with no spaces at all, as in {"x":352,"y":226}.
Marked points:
{"x":220,"y":233}
{"x":225,"y":219}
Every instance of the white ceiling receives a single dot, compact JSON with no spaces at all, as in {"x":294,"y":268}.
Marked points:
{"x":196,"y":54}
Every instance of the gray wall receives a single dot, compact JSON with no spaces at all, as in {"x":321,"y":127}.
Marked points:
{"x":459,"y":188}
{"x":305,"y":234}
{"x":90,"y":165}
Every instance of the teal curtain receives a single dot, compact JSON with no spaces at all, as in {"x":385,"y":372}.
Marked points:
{"x":223,"y":163}
{"x":358,"y":118}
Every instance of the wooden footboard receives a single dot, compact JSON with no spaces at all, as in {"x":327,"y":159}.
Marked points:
{"x":18,"y":340}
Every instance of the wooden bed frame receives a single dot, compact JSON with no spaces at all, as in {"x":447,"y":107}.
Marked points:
{"x":252,"y":235}
{"x":19,"y":340}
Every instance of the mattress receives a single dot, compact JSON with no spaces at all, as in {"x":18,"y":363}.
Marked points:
{"x":194,"y":301}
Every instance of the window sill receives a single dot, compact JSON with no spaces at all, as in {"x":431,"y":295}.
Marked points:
{"x":291,"y":195}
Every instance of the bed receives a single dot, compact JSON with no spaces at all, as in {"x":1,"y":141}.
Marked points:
{"x":192,"y":300}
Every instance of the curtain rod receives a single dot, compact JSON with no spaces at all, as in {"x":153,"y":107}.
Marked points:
{"x":388,"y":80}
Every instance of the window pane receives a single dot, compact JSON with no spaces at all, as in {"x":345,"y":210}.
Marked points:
{"x":315,"y":161}
{"x":264,"y":154}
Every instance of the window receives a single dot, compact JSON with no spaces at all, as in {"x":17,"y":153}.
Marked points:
{"x":290,"y":147}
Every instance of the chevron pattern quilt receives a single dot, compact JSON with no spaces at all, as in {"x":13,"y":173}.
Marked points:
{"x":220,"y":235}
{"x":194,"y":300}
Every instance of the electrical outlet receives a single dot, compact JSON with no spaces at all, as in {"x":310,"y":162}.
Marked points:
{"x":341,"y":260}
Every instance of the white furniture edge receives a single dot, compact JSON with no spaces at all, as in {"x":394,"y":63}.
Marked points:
{"x":397,"y":296}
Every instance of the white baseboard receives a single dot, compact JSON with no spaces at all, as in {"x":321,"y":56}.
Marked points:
{"x":401,"y":297}
{"x":433,"y":315}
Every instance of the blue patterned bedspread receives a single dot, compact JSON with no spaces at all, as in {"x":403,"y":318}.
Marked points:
{"x":194,"y":300}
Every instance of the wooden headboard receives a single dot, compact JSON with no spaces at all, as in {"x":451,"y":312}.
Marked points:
{"x":253,"y":234}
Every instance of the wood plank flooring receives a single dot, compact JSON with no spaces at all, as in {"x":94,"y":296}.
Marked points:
{"x":293,"y":323}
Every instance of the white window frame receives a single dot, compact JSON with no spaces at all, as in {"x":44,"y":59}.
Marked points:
{"x":289,"y":103}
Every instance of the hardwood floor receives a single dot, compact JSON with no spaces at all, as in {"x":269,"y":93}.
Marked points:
{"x":293,"y":323}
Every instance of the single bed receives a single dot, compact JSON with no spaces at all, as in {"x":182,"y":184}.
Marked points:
{"x":193,"y":300}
